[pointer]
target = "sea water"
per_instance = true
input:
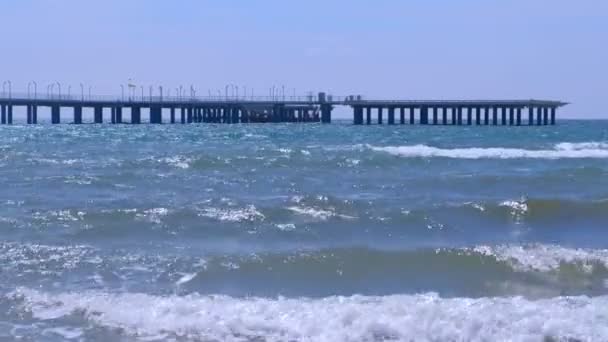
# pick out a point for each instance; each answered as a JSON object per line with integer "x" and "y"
{"x": 291, "y": 232}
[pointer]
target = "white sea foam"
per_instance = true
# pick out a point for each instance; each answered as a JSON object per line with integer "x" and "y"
{"x": 542, "y": 257}
{"x": 249, "y": 213}
{"x": 320, "y": 214}
{"x": 425, "y": 317}
{"x": 595, "y": 150}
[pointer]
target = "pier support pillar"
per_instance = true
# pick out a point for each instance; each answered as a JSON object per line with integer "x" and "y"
{"x": 552, "y": 115}
{"x": 172, "y": 115}
{"x": 183, "y": 115}
{"x": 424, "y": 115}
{"x": 435, "y": 115}
{"x": 358, "y": 115}
{"x": 34, "y": 114}
{"x": 511, "y": 116}
{"x": 518, "y": 116}
{"x": 189, "y": 115}
{"x": 530, "y": 116}
{"x": 368, "y": 115}
{"x": 113, "y": 115}
{"x": 454, "y": 115}
{"x": 391, "y": 116}
{"x": 486, "y": 116}
{"x": 503, "y": 116}
{"x": 3, "y": 115}
{"x": 119, "y": 114}
{"x": 98, "y": 115}
{"x": 402, "y": 116}
{"x": 156, "y": 115}
{"x": 469, "y": 116}
{"x": 235, "y": 115}
{"x": 135, "y": 115}
{"x": 78, "y": 114}
{"x": 55, "y": 115}
{"x": 478, "y": 116}
{"x": 444, "y": 114}
{"x": 494, "y": 116}
{"x": 9, "y": 116}
{"x": 412, "y": 116}
{"x": 29, "y": 114}
{"x": 326, "y": 113}
{"x": 379, "y": 115}
{"x": 539, "y": 116}
{"x": 545, "y": 116}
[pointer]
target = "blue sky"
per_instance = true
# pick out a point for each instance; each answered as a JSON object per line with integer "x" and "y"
{"x": 470, "y": 49}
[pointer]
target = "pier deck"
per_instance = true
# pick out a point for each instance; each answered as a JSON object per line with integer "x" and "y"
{"x": 291, "y": 109}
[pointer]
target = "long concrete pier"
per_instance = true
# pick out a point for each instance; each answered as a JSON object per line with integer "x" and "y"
{"x": 69, "y": 109}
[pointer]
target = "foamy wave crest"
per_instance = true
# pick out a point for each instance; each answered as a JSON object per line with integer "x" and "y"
{"x": 595, "y": 150}
{"x": 425, "y": 317}
{"x": 249, "y": 213}
{"x": 541, "y": 257}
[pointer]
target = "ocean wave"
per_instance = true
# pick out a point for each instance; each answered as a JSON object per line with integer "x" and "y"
{"x": 422, "y": 317}
{"x": 247, "y": 214}
{"x": 565, "y": 150}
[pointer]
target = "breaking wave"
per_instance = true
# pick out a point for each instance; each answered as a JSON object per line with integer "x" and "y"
{"x": 565, "y": 150}
{"x": 422, "y": 317}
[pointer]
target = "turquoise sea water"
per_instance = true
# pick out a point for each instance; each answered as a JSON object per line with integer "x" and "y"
{"x": 312, "y": 232}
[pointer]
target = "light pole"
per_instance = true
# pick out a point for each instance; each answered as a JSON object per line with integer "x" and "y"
{"x": 160, "y": 89}
{"x": 59, "y": 89}
{"x": 142, "y": 92}
{"x": 89, "y": 93}
{"x": 69, "y": 91}
{"x": 9, "y": 88}
{"x": 81, "y": 92}
{"x": 150, "y": 93}
{"x": 122, "y": 92}
{"x": 51, "y": 87}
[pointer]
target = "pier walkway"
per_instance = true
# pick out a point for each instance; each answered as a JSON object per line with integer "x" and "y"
{"x": 319, "y": 108}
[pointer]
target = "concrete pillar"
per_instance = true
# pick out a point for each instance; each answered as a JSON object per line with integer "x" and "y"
{"x": 379, "y": 115}
{"x": 402, "y": 116}
{"x": 156, "y": 116}
{"x": 34, "y": 114}
{"x": 119, "y": 114}
{"x": 469, "y": 116}
{"x": 3, "y": 117}
{"x": 98, "y": 115}
{"x": 518, "y": 116}
{"x": 245, "y": 116}
{"x": 539, "y": 116}
{"x": 55, "y": 115}
{"x": 136, "y": 115}
{"x": 78, "y": 114}
{"x": 391, "y": 116}
{"x": 459, "y": 115}
{"x": 530, "y": 115}
{"x": 183, "y": 115}
{"x": 358, "y": 115}
{"x": 486, "y": 116}
{"x": 368, "y": 115}
{"x": 189, "y": 115}
{"x": 511, "y": 116}
{"x": 478, "y": 116}
{"x": 494, "y": 116}
{"x": 326, "y": 113}
{"x": 29, "y": 114}
{"x": 454, "y": 115}
{"x": 9, "y": 116}
{"x": 435, "y": 115}
{"x": 172, "y": 115}
{"x": 412, "y": 116}
{"x": 503, "y": 116}
{"x": 444, "y": 112}
{"x": 552, "y": 115}
{"x": 235, "y": 115}
{"x": 424, "y": 115}
{"x": 545, "y": 116}
{"x": 113, "y": 115}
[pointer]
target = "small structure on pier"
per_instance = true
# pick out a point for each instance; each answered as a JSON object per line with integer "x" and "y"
{"x": 292, "y": 109}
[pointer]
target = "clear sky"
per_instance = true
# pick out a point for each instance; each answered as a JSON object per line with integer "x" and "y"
{"x": 431, "y": 49}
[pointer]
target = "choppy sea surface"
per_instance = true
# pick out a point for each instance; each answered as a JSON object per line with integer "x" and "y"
{"x": 289, "y": 232}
